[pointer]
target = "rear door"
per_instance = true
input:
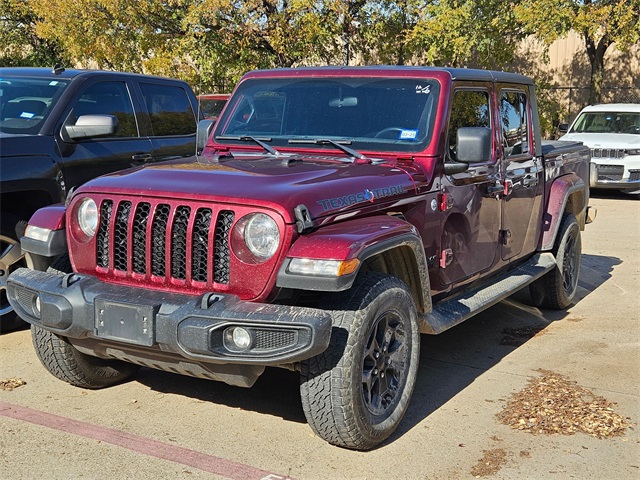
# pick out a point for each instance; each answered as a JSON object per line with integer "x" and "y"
{"x": 171, "y": 119}
{"x": 522, "y": 172}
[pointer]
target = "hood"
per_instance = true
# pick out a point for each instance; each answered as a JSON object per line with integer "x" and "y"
{"x": 325, "y": 185}
{"x": 605, "y": 140}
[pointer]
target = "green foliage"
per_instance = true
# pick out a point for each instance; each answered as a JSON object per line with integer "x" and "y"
{"x": 600, "y": 22}
{"x": 467, "y": 33}
{"x": 212, "y": 43}
{"x": 21, "y": 45}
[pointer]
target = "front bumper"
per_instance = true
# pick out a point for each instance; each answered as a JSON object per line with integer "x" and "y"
{"x": 617, "y": 174}
{"x": 140, "y": 325}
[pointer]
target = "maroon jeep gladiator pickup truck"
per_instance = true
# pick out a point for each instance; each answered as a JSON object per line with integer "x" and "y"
{"x": 334, "y": 215}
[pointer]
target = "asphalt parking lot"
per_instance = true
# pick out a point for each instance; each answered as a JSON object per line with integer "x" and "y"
{"x": 162, "y": 425}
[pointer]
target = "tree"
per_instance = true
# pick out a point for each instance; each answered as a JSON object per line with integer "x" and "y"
{"x": 21, "y": 46}
{"x": 601, "y": 23}
{"x": 460, "y": 33}
{"x": 391, "y": 23}
{"x": 206, "y": 42}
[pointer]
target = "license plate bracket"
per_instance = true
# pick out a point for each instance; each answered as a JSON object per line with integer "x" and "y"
{"x": 125, "y": 322}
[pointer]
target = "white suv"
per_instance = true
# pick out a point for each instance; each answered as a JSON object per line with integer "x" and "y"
{"x": 612, "y": 132}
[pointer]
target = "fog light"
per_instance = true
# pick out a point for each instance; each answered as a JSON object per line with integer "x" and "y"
{"x": 237, "y": 338}
{"x": 36, "y": 305}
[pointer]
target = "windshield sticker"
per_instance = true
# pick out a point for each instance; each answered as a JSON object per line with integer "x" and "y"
{"x": 366, "y": 196}
{"x": 27, "y": 115}
{"x": 426, "y": 89}
{"x": 53, "y": 83}
{"x": 408, "y": 134}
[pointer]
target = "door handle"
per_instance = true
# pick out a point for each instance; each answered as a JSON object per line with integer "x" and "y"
{"x": 141, "y": 157}
{"x": 497, "y": 188}
{"x": 530, "y": 181}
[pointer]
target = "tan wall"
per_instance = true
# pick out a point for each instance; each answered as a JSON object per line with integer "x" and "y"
{"x": 566, "y": 71}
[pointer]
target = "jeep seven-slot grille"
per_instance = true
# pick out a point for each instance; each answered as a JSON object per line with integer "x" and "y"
{"x": 182, "y": 226}
{"x": 607, "y": 153}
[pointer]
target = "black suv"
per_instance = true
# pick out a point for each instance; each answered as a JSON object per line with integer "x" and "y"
{"x": 60, "y": 128}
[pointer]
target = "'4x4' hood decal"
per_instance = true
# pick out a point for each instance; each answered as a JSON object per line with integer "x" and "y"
{"x": 323, "y": 185}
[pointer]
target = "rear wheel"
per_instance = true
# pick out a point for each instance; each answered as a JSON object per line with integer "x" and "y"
{"x": 557, "y": 288}
{"x": 66, "y": 362}
{"x": 355, "y": 394}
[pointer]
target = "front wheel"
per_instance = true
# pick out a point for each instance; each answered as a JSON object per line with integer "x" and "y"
{"x": 557, "y": 288}
{"x": 355, "y": 394}
{"x": 11, "y": 258}
{"x": 66, "y": 362}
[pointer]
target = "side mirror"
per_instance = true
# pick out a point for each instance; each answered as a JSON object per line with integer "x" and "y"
{"x": 88, "y": 126}
{"x": 204, "y": 131}
{"x": 451, "y": 168}
{"x": 563, "y": 128}
{"x": 473, "y": 144}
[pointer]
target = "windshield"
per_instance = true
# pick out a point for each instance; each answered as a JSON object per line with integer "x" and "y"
{"x": 367, "y": 114}
{"x": 607, "y": 122}
{"x": 26, "y": 102}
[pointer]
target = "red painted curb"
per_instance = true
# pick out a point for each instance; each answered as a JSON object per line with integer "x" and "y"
{"x": 145, "y": 446}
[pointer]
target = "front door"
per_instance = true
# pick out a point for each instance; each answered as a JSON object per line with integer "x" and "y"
{"x": 88, "y": 158}
{"x": 471, "y": 221}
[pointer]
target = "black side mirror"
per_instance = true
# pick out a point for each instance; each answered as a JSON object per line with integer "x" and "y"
{"x": 204, "y": 131}
{"x": 563, "y": 128}
{"x": 451, "y": 168}
{"x": 88, "y": 126}
{"x": 473, "y": 145}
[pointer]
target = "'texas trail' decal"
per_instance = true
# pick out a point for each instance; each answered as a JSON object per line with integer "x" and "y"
{"x": 366, "y": 196}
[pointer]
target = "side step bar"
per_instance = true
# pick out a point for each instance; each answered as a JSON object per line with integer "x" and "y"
{"x": 449, "y": 313}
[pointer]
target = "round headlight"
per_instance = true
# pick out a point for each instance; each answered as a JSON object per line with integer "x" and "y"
{"x": 88, "y": 217}
{"x": 260, "y": 236}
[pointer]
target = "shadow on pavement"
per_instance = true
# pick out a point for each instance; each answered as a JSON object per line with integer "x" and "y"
{"x": 449, "y": 362}
{"x": 452, "y": 360}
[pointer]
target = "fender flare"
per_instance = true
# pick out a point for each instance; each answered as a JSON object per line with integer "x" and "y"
{"x": 360, "y": 239}
{"x": 561, "y": 189}
{"x": 50, "y": 218}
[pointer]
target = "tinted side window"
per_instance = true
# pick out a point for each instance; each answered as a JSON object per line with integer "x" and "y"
{"x": 169, "y": 109}
{"x": 515, "y": 131}
{"x": 470, "y": 108}
{"x": 109, "y": 98}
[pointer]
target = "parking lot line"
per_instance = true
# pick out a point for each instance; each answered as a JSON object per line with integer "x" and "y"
{"x": 145, "y": 446}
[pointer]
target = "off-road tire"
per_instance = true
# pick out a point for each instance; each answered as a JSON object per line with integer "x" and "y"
{"x": 66, "y": 362}
{"x": 340, "y": 388}
{"x": 9, "y": 261}
{"x": 557, "y": 288}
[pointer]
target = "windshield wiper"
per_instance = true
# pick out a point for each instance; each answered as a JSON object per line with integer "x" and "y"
{"x": 259, "y": 140}
{"x": 339, "y": 144}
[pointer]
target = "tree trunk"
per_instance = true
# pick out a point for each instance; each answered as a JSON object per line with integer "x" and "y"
{"x": 596, "y": 59}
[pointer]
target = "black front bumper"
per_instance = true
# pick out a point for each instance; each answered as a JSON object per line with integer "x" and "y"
{"x": 103, "y": 318}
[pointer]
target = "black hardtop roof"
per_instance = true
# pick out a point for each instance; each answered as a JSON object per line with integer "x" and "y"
{"x": 470, "y": 74}
{"x": 69, "y": 73}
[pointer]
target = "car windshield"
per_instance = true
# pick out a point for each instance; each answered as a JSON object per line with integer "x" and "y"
{"x": 607, "y": 122}
{"x": 26, "y": 102}
{"x": 371, "y": 114}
